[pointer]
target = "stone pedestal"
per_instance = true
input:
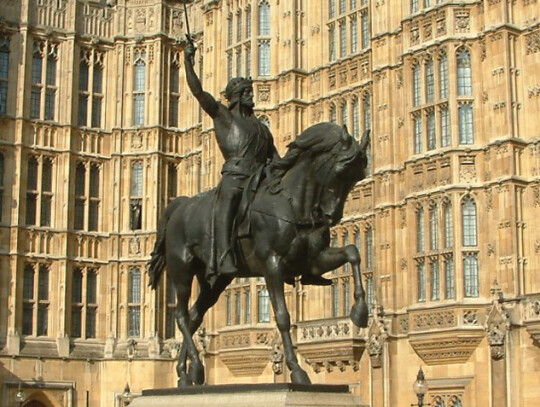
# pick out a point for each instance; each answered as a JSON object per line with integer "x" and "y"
{"x": 250, "y": 395}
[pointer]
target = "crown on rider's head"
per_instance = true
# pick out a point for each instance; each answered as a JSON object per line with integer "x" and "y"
{"x": 236, "y": 86}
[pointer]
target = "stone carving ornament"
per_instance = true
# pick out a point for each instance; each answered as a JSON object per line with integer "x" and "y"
{"x": 497, "y": 326}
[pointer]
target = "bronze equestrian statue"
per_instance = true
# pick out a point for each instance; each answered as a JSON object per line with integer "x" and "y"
{"x": 282, "y": 230}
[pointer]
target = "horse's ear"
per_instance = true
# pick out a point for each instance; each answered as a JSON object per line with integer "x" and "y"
{"x": 365, "y": 140}
{"x": 346, "y": 137}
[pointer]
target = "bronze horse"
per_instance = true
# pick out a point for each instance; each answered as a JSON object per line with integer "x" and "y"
{"x": 288, "y": 234}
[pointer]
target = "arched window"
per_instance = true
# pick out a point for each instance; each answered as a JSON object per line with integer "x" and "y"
{"x": 4, "y": 73}
{"x": 418, "y": 142}
{"x": 449, "y": 278}
{"x": 139, "y": 88}
{"x": 46, "y": 192}
{"x": 239, "y": 26}
{"x": 420, "y": 235}
{"x": 416, "y": 84}
{"x": 331, "y": 8}
{"x": 445, "y": 126}
{"x": 134, "y": 302}
{"x": 333, "y": 113}
{"x": 369, "y": 248}
{"x": 367, "y": 111}
{"x": 448, "y": 226}
{"x": 84, "y": 70}
{"x": 228, "y": 298}
{"x": 264, "y": 305}
{"x": 342, "y": 38}
{"x": 466, "y": 125}
{"x": 136, "y": 179}
{"x": 136, "y": 195}
{"x": 344, "y": 114}
{"x": 421, "y": 276}
{"x": 355, "y": 119}
{"x": 443, "y": 76}
{"x": 470, "y": 274}
{"x": 335, "y": 298}
{"x": 431, "y": 134}
{"x": 264, "y": 19}
{"x": 80, "y": 199}
{"x": 455, "y": 401}
{"x": 469, "y": 222}
{"x": 332, "y": 42}
{"x": 229, "y": 29}
{"x": 438, "y": 402}
{"x": 247, "y": 307}
{"x": 435, "y": 280}
{"x": 354, "y": 34}
{"x": 264, "y": 58}
{"x": 430, "y": 81}
{"x": 464, "y": 74}
{"x": 37, "y": 81}
{"x": 248, "y": 22}
{"x": 364, "y": 21}
{"x": 174, "y": 95}
{"x": 433, "y": 228}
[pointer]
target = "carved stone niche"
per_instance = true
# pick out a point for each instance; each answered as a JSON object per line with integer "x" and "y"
{"x": 532, "y": 318}
{"x": 377, "y": 335}
{"x": 331, "y": 344}
{"x": 497, "y": 326}
{"x": 246, "y": 352}
{"x": 455, "y": 346}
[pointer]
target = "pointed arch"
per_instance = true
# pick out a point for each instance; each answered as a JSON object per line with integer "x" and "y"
{"x": 464, "y": 71}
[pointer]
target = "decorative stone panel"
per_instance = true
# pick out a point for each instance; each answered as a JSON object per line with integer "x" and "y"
{"x": 246, "y": 352}
{"x": 456, "y": 346}
{"x": 330, "y": 344}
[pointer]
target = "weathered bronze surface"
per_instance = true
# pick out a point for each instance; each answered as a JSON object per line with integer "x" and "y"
{"x": 268, "y": 217}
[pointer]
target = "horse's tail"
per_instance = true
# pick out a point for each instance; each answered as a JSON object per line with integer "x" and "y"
{"x": 157, "y": 260}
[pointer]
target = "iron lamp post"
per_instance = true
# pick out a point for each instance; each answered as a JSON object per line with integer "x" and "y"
{"x": 420, "y": 387}
{"x": 127, "y": 397}
{"x": 19, "y": 396}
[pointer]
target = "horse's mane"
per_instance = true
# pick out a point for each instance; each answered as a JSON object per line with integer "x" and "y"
{"x": 317, "y": 139}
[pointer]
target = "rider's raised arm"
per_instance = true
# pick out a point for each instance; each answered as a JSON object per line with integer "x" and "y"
{"x": 206, "y": 100}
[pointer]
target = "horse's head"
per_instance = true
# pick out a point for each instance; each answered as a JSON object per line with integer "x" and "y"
{"x": 320, "y": 168}
{"x": 346, "y": 165}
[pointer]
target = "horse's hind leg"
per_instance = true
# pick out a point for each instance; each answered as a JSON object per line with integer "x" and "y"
{"x": 181, "y": 273}
{"x": 208, "y": 296}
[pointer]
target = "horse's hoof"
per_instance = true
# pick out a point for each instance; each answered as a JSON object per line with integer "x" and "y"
{"x": 359, "y": 314}
{"x": 184, "y": 382}
{"x": 300, "y": 377}
{"x": 196, "y": 374}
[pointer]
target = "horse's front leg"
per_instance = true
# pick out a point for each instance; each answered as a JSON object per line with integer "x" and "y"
{"x": 274, "y": 282}
{"x": 334, "y": 257}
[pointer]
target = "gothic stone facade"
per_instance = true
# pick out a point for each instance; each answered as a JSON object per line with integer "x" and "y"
{"x": 98, "y": 132}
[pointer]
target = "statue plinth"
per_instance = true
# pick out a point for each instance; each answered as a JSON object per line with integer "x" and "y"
{"x": 250, "y": 395}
